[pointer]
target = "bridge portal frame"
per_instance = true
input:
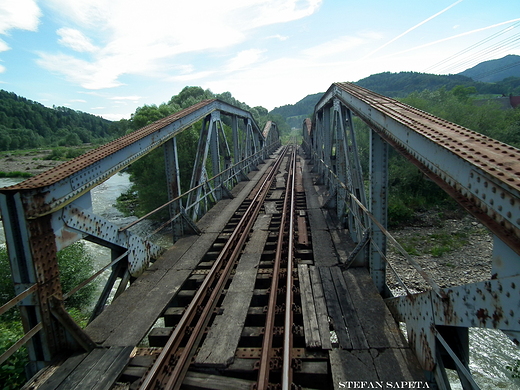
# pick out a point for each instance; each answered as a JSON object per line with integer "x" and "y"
{"x": 49, "y": 212}
{"x": 485, "y": 184}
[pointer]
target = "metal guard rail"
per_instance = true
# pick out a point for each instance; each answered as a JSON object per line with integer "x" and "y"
{"x": 236, "y": 170}
{"x": 435, "y": 287}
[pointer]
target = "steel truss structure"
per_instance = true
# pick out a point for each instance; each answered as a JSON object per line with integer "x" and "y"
{"x": 482, "y": 174}
{"x": 49, "y": 212}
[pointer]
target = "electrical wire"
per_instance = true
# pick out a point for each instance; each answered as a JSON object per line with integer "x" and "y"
{"x": 459, "y": 59}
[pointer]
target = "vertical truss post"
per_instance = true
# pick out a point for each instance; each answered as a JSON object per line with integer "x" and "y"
{"x": 251, "y": 146}
{"x": 378, "y": 208}
{"x": 236, "y": 144}
{"x": 215, "y": 151}
{"x": 342, "y": 163}
{"x": 327, "y": 147}
{"x": 317, "y": 144}
{"x": 199, "y": 170}
{"x": 356, "y": 180}
{"x": 173, "y": 183}
{"x": 32, "y": 255}
{"x": 505, "y": 263}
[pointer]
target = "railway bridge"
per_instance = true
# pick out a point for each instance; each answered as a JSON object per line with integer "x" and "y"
{"x": 277, "y": 276}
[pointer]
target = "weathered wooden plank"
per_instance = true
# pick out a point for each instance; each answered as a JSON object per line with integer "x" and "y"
{"x": 321, "y": 308}
{"x": 158, "y": 336}
{"x": 310, "y": 322}
{"x": 350, "y": 316}
{"x": 201, "y": 381}
{"x": 218, "y": 349}
{"x": 132, "y": 374}
{"x": 128, "y": 319}
{"x": 379, "y": 327}
{"x": 355, "y": 365}
{"x": 252, "y": 331}
{"x": 81, "y": 370}
{"x": 62, "y": 372}
{"x": 334, "y": 308}
{"x": 105, "y": 372}
{"x": 303, "y": 235}
{"x": 396, "y": 365}
{"x": 324, "y": 253}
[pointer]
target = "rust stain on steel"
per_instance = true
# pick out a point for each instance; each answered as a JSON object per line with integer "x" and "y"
{"x": 72, "y": 166}
{"x": 446, "y": 306}
{"x": 308, "y": 125}
{"x": 500, "y": 160}
{"x": 483, "y": 316}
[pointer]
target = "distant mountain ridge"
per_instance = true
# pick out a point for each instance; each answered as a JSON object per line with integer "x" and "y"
{"x": 401, "y": 84}
{"x": 495, "y": 70}
{"x": 294, "y": 114}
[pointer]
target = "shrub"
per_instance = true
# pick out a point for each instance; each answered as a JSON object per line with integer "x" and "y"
{"x": 75, "y": 266}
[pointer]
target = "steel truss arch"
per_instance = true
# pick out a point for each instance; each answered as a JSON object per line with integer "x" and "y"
{"x": 481, "y": 174}
{"x": 48, "y": 212}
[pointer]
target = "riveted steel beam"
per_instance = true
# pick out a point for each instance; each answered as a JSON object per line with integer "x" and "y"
{"x": 481, "y": 174}
{"x": 54, "y": 209}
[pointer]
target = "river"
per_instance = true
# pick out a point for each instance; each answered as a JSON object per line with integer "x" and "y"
{"x": 490, "y": 350}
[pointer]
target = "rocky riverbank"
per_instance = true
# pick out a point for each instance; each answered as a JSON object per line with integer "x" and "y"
{"x": 33, "y": 162}
{"x": 453, "y": 249}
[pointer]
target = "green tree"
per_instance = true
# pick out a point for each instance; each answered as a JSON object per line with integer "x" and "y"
{"x": 462, "y": 92}
{"x": 148, "y": 190}
{"x": 75, "y": 265}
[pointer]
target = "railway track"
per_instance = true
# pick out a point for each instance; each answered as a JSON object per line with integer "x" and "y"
{"x": 206, "y": 343}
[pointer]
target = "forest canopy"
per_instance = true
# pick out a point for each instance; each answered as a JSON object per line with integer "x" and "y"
{"x": 25, "y": 124}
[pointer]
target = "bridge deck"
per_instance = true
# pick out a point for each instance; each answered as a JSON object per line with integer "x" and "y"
{"x": 366, "y": 344}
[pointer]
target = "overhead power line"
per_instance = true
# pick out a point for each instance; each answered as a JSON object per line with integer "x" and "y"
{"x": 460, "y": 58}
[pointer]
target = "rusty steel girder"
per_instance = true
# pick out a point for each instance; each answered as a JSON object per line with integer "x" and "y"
{"x": 481, "y": 174}
{"x": 50, "y": 211}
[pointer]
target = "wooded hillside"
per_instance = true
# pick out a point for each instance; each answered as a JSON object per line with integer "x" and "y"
{"x": 27, "y": 124}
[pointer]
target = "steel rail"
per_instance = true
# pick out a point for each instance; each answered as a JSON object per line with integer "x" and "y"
{"x": 267, "y": 342}
{"x": 160, "y": 376}
{"x": 287, "y": 368}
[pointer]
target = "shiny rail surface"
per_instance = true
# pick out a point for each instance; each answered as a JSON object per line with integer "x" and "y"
{"x": 284, "y": 257}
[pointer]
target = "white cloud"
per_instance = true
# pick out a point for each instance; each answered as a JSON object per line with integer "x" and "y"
{"x": 191, "y": 76}
{"x": 75, "y": 40}
{"x": 414, "y": 27}
{"x": 335, "y": 46}
{"x": 142, "y": 37}
{"x": 279, "y": 37}
{"x": 244, "y": 59}
{"x": 3, "y": 46}
{"x": 89, "y": 75}
{"x": 115, "y": 117}
{"x": 19, "y": 14}
{"x": 131, "y": 98}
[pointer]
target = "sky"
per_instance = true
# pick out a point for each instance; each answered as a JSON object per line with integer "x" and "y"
{"x": 108, "y": 57}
